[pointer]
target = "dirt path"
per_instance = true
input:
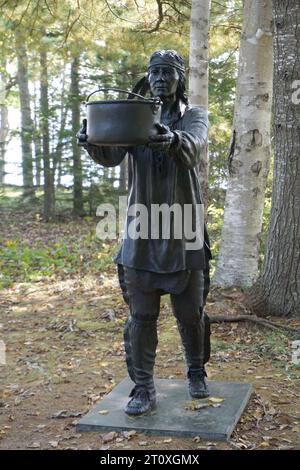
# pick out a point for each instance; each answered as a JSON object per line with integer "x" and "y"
{"x": 63, "y": 333}
{"x": 65, "y": 352}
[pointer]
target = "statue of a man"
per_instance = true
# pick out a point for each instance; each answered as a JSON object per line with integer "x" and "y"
{"x": 163, "y": 172}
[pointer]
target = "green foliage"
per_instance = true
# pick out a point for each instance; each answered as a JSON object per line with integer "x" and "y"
{"x": 114, "y": 41}
{"x": 215, "y": 222}
{"x": 23, "y": 263}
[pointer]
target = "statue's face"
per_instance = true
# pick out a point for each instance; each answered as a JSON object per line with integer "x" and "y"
{"x": 163, "y": 80}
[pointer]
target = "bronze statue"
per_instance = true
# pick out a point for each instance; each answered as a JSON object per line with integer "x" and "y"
{"x": 164, "y": 171}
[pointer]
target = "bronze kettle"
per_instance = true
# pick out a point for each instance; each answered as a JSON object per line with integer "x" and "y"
{"x": 125, "y": 122}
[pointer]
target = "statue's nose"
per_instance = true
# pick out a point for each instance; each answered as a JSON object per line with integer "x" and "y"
{"x": 161, "y": 76}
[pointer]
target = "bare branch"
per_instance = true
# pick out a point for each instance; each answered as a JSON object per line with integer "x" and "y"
{"x": 159, "y": 20}
{"x": 11, "y": 83}
{"x": 251, "y": 318}
{"x": 69, "y": 29}
{"x": 4, "y": 3}
{"x": 49, "y": 9}
{"x": 227, "y": 26}
{"x": 174, "y": 7}
{"x": 117, "y": 16}
{"x": 24, "y": 12}
{"x": 35, "y": 19}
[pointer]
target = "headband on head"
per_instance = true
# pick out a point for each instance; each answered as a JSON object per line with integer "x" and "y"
{"x": 169, "y": 57}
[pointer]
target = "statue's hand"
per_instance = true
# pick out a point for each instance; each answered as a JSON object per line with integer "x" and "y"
{"x": 163, "y": 140}
{"x": 82, "y": 135}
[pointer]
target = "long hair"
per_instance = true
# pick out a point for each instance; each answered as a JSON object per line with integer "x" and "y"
{"x": 181, "y": 89}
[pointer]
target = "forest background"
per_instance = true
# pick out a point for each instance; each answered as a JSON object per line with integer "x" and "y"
{"x": 61, "y": 311}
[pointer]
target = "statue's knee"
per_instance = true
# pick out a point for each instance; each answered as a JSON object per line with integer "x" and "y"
{"x": 189, "y": 316}
{"x": 143, "y": 319}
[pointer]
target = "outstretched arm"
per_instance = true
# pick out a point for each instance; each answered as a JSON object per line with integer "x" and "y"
{"x": 191, "y": 139}
{"x": 106, "y": 156}
{"x": 184, "y": 146}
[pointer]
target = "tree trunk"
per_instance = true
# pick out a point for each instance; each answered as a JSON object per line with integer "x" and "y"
{"x": 3, "y": 123}
{"x": 250, "y": 150}
{"x": 27, "y": 128}
{"x": 277, "y": 291}
{"x": 198, "y": 74}
{"x": 59, "y": 173}
{"x": 49, "y": 193}
{"x": 58, "y": 152}
{"x": 77, "y": 167}
{"x": 37, "y": 139}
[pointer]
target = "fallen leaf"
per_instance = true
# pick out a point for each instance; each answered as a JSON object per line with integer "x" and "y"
{"x": 128, "y": 434}
{"x": 283, "y": 426}
{"x": 200, "y": 406}
{"x": 65, "y": 414}
{"x": 257, "y": 414}
{"x": 109, "y": 436}
{"x": 216, "y": 400}
{"x": 195, "y": 405}
{"x": 110, "y": 314}
{"x": 53, "y": 444}
{"x": 34, "y": 445}
{"x": 40, "y": 427}
{"x": 264, "y": 444}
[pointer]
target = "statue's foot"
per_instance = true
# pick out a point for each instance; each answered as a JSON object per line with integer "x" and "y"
{"x": 197, "y": 384}
{"x": 143, "y": 400}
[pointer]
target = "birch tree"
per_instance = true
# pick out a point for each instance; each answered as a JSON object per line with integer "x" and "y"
{"x": 3, "y": 120}
{"x": 77, "y": 165}
{"x": 49, "y": 190}
{"x": 26, "y": 119}
{"x": 250, "y": 150}
{"x": 277, "y": 291}
{"x": 198, "y": 73}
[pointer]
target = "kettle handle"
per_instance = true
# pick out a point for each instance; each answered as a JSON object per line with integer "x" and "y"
{"x": 121, "y": 91}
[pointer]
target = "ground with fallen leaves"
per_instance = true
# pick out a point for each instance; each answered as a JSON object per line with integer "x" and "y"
{"x": 63, "y": 333}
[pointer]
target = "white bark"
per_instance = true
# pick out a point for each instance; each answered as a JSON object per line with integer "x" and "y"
{"x": 3, "y": 123}
{"x": 26, "y": 120}
{"x": 198, "y": 72}
{"x": 277, "y": 291}
{"x": 238, "y": 258}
